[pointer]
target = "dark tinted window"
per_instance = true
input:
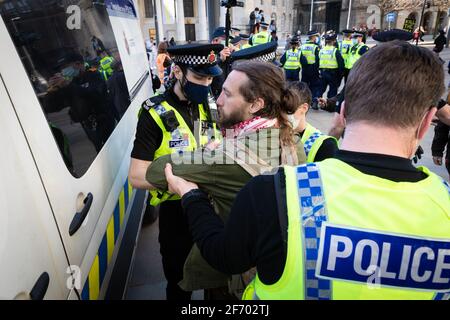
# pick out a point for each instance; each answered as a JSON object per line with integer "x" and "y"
{"x": 188, "y": 6}
{"x": 149, "y": 8}
{"x": 70, "y": 54}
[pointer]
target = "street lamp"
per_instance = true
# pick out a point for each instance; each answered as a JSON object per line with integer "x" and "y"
{"x": 311, "y": 17}
{"x": 349, "y": 10}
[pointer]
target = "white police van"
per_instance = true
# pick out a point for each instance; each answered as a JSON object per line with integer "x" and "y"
{"x": 69, "y": 219}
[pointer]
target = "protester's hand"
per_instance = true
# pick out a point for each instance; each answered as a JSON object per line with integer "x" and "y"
{"x": 437, "y": 161}
{"x": 57, "y": 81}
{"x": 225, "y": 53}
{"x": 322, "y": 102}
{"x": 176, "y": 184}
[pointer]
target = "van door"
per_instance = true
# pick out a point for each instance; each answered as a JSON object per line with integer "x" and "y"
{"x": 31, "y": 251}
{"x": 64, "y": 68}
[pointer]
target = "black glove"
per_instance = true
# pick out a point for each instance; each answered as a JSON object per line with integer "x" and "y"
{"x": 418, "y": 155}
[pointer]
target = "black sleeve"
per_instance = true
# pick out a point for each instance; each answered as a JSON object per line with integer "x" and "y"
{"x": 340, "y": 60}
{"x": 148, "y": 137}
{"x": 327, "y": 150}
{"x": 283, "y": 59}
{"x": 440, "y": 139}
{"x": 251, "y": 237}
{"x": 317, "y": 57}
{"x": 303, "y": 61}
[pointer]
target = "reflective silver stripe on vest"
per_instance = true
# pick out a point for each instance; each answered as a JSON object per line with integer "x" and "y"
{"x": 310, "y": 142}
{"x": 313, "y": 213}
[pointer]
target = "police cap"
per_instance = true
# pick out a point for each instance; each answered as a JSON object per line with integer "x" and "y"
{"x": 294, "y": 40}
{"x": 357, "y": 34}
{"x": 219, "y": 32}
{"x": 262, "y": 52}
{"x": 330, "y": 37}
{"x": 264, "y": 25}
{"x": 200, "y": 58}
{"x": 347, "y": 31}
{"x": 235, "y": 40}
{"x": 312, "y": 33}
{"x": 244, "y": 36}
{"x": 394, "y": 34}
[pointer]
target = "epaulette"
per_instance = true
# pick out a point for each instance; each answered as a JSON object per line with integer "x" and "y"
{"x": 152, "y": 102}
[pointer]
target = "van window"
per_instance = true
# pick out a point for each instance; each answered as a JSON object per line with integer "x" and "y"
{"x": 71, "y": 57}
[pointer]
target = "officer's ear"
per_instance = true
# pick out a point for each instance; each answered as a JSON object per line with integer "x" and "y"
{"x": 257, "y": 105}
{"x": 425, "y": 123}
{"x": 177, "y": 72}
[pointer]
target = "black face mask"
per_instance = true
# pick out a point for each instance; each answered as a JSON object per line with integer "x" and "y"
{"x": 196, "y": 93}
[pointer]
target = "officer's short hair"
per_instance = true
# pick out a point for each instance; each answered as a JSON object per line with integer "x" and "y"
{"x": 393, "y": 85}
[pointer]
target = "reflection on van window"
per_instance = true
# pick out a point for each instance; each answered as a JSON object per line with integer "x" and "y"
{"x": 71, "y": 57}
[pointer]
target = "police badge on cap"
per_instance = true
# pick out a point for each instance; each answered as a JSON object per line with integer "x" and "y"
{"x": 200, "y": 58}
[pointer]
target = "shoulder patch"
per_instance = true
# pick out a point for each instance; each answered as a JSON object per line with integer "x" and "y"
{"x": 152, "y": 102}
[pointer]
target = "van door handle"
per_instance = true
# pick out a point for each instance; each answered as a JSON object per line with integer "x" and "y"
{"x": 40, "y": 288}
{"x": 80, "y": 216}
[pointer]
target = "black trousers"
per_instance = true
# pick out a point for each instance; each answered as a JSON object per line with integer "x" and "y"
{"x": 175, "y": 244}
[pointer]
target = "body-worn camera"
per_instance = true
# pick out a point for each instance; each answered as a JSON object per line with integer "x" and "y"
{"x": 231, "y": 3}
{"x": 169, "y": 120}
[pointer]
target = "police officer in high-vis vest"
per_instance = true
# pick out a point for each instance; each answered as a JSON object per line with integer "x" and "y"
{"x": 331, "y": 66}
{"x": 105, "y": 65}
{"x": 177, "y": 121}
{"x": 291, "y": 61}
{"x": 244, "y": 40}
{"x": 366, "y": 224}
{"x": 358, "y": 49}
{"x": 317, "y": 146}
{"x": 345, "y": 45}
{"x": 310, "y": 71}
{"x": 263, "y": 36}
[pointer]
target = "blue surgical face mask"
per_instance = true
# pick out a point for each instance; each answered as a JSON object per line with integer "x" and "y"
{"x": 196, "y": 93}
{"x": 354, "y": 41}
{"x": 70, "y": 72}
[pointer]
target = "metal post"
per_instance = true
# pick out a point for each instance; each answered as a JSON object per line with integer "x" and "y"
{"x": 420, "y": 20}
{"x": 311, "y": 17}
{"x": 348, "y": 16}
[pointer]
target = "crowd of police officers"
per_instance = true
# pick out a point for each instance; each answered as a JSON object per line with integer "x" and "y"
{"x": 167, "y": 124}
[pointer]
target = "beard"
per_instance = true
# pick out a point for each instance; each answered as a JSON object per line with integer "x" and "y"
{"x": 228, "y": 121}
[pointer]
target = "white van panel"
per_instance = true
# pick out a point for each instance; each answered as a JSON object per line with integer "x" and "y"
{"x": 61, "y": 187}
{"x": 29, "y": 240}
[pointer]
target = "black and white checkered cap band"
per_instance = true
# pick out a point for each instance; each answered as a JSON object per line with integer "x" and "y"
{"x": 265, "y": 57}
{"x": 193, "y": 60}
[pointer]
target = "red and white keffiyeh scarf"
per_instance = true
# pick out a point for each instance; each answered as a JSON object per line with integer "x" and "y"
{"x": 248, "y": 126}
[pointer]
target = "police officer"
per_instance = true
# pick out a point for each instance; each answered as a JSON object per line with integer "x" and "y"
{"x": 331, "y": 65}
{"x": 317, "y": 145}
{"x": 345, "y": 46}
{"x": 245, "y": 38}
{"x": 263, "y": 36}
{"x": 358, "y": 49}
{"x": 106, "y": 62}
{"x": 367, "y": 219}
{"x": 291, "y": 61}
{"x": 310, "y": 71}
{"x": 176, "y": 121}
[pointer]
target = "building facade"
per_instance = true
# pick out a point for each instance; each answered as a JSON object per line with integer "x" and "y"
{"x": 370, "y": 14}
{"x": 195, "y": 20}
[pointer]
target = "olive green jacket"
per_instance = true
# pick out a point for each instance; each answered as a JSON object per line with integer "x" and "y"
{"x": 222, "y": 178}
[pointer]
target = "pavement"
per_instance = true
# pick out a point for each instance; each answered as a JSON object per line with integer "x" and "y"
{"x": 147, "y": 280}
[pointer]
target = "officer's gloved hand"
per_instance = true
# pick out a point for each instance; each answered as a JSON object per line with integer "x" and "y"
{"x": 418, "y": 155}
